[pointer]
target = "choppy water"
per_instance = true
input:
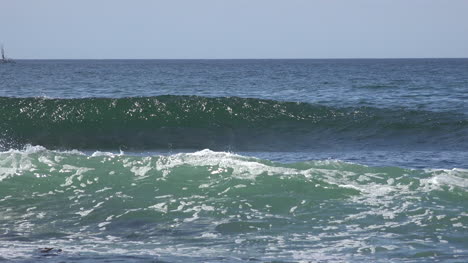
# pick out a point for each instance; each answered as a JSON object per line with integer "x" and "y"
{"x": 234, "y": 160}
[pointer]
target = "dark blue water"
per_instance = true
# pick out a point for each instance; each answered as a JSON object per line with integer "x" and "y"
{"x": 430, "y": 94}
{"x": 234, "y": 160}
{"x": 422, "y": 84}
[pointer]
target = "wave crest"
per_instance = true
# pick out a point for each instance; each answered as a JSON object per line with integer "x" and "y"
{"x": 229, "y": 123}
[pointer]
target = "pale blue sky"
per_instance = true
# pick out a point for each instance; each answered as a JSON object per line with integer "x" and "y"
{"x": 104, "y": 29}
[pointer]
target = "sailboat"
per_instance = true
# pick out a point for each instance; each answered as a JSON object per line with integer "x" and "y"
{"x": 5, "y": 59}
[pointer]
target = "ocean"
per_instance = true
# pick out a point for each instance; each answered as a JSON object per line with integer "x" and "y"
{"x": 234, "y": 160}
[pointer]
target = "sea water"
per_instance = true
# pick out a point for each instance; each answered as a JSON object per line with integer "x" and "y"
{"x": 234, "y": 160}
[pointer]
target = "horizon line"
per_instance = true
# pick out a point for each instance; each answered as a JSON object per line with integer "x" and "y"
{"x": 343, "y": 58}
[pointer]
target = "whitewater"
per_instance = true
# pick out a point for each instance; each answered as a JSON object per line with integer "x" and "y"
{"x": 221, "y": 206}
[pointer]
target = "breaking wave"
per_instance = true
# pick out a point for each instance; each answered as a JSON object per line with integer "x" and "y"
{"x": 226, "y": 123}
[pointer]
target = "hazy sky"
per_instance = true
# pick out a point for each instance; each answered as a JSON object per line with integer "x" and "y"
{"x": 234, "y": 29}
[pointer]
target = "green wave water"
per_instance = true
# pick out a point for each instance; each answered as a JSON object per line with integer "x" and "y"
{"x": 225, "y": 123}
{"x": 211, "y": 206}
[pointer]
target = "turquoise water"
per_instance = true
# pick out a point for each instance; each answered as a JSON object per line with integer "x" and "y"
{"x": 217, "y": 206}
{"x": 234, "y": 161}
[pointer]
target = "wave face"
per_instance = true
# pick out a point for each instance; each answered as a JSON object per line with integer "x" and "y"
{"x": 207, "y": 204}
{"x": 226, "y": 123}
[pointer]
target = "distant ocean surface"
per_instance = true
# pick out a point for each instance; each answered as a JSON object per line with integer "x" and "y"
{"x": 234, "y": 160}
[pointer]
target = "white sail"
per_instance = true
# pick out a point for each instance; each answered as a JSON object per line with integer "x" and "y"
{"x": 4, "y": 58}
{"x": 3, "y": 54}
